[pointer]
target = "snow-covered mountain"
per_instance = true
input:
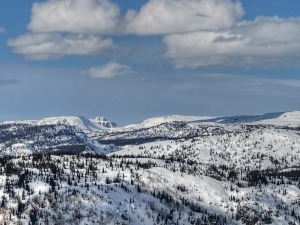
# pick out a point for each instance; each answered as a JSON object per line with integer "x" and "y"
{"x": 167, "y": 119}
{"x": 80, "y": 122}
{"x": 166, "y": 170}
{"x": 99, "y": 134}
{"x": 104, "y": 123}
{"x": 66, "y": 134}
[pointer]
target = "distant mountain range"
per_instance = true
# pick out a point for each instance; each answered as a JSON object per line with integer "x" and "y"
{"x": 78, "y": 134}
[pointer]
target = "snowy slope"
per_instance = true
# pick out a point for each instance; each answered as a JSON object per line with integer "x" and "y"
{"x": 80, "y": 122}
{"x": 167, "y": 119}
{"x": 241, "y": 134}
{"x": 291, "y": 119}
{"x": 66, "y": 134}
{"x": 103, "y": 122}
{"x": 90, "y": 190}
{"x": 168, "y": 170}
{"x": 261, "y": 118}
{"x": 279, "y": 118}
{"x": 69, "y": 121}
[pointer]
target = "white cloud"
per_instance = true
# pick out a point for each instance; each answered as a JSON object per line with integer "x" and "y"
{"x": 158, "y": 17}
{"x": 44, "y": 46}
{"x": 197, "y": 33}
{"x": 263, "y": 42}
{"x": 59, "y": 28}
{"x": 74, "y": 16}
{"x": 271, "y": 29}
{"x": 108, "y": 71}
{"x": 2, "y": 30}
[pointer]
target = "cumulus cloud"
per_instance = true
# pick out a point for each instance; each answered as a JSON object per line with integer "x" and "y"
{"x": 156, "y": 17}
{"x": 196, "y": 33}
{"x": 271, "y": 29}
{"x": 264, "y": 41}
{"x": 108, "y": 71}
{"x": 74, "y": 16}
{"x": 178, "y": 16}
{"x": 59, "y": 28}
{"x": 42, "y": 46}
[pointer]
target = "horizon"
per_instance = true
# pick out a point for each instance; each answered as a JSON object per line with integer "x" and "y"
{"x": 106, "y": 57}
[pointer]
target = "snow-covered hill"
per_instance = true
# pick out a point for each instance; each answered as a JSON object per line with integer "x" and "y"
{"x": 167, "y": 119}
{"x": 103, "y": 122}
{"x": 64, "y": 134}
{"x": 89, "y": 189}
{"x": 279, "y": 118}
{"x": 261, "y": 118}
{"x": 291, "y": 119}
{"x": 80, "y": 122}
{"x": 166, "y": 170}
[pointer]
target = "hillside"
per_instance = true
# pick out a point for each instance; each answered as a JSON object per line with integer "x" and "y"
{"x": 167, "y": 170}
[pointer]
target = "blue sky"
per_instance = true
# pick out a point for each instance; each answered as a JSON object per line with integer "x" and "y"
{"x": 131, "y": 60}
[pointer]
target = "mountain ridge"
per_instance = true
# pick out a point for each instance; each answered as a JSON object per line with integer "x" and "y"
{"x": 100, "y": 122}
{"x": 102, "y": 136}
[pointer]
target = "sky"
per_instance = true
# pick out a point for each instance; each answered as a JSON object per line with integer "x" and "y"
{"x": 129, "y": 60}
